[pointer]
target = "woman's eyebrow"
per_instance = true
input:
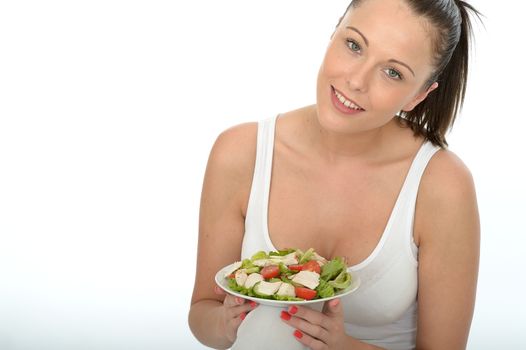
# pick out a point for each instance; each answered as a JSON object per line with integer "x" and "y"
{"x": 403, "y": 64}
{"x": 367, "y": 44}
{"x": 363, "y": 36}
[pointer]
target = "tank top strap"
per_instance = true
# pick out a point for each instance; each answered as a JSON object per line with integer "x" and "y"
{"x": 412, "y": 181}
{"x": 257, "y": 211}
{"x": 404, "y": 211}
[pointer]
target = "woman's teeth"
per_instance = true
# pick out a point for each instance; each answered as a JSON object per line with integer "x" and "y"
{"x": 346, "y": 102}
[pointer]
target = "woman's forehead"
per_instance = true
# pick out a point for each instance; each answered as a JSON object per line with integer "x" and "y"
{"x": 390, "y": 26}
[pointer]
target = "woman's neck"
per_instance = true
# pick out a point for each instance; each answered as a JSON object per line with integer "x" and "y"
{"x": 333, "y": 147}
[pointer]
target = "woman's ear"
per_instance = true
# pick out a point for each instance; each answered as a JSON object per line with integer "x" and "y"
{"x": 419, "y": 98}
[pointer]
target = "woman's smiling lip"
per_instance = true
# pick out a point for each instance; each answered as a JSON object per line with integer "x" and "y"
{"x": 340, "y": 106}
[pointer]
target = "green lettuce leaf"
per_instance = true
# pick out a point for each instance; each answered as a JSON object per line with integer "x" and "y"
{"x": 342, "y": 281}
{"x": 282, "y": 252}
{"x": 324, "y": 289}
{"x": 332, "y": 269}
{"x": 307, "y": 256}
{"x": 237, "y": 288}
{"x": 259, "y": 255}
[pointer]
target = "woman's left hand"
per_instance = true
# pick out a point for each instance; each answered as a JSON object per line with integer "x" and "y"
{"x": 318, "y": 330}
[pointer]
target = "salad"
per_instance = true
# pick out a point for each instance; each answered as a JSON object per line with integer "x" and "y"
{"x": 288, "y": 275}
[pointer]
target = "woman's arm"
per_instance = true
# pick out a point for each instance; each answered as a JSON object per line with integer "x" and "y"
{"x": 225, "y": 193}
{"x": 448, "y": 234}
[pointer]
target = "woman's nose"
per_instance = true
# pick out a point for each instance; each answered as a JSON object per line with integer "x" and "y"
{"x": 358, "y": 77}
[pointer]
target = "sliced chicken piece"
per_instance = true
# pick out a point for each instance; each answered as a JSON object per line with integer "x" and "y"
{"x": 290, "y": 259}
{"x": 263, "y": 262}
{"x": 241, "y": 276}
{"x": 252, "y": 279}
{"x": 286, "y": 289}
{"x": 233, "y": 268}
{"x": 308, "y": 279}
{"x": 320, "y": 259}
{"x": 267, "y": 288}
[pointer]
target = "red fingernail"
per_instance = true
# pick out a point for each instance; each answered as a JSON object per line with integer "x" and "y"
{"x": 253, "y": 304}
{"x": 239, "y": 300}
{"x": 242, "y": 316}
{"x": 293, "y": 309}
{"x": 298, "y": 334}
{"x": 285, "y": 315}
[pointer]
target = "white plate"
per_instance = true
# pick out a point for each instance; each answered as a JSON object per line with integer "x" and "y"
{"x": 223, "y": 283}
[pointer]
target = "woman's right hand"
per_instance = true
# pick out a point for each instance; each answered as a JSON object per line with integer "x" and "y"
{"x": 235, "y": 310}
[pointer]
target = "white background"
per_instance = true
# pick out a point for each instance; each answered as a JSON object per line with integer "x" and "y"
{"x": 108, "y": 110}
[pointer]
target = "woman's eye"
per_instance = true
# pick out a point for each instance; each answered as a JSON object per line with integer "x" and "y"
{"x": 392, "y": 73}
{"x": 353, "y": 45}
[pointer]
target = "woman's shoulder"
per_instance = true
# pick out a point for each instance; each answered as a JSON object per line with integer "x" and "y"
{"x": 446, "y": 175}
{"x": 234, "y": 149}
{"x": 446, "y": 196}
{"x": 237, "y": 137}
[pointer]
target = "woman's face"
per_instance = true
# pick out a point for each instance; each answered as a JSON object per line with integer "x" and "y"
{"x": 379, "y": 58}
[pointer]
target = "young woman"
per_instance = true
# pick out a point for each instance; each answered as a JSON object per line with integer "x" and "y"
{"x": 365, "y": 174}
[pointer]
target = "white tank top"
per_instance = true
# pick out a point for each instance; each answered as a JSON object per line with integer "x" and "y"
{"x": 383, "y": 311}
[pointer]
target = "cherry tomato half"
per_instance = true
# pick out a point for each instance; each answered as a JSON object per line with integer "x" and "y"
{"x": 270, "y": 271}
{"x": 305, "y": 293}
{"x": 312, "y": 266}
{"x": 297, "y": 267}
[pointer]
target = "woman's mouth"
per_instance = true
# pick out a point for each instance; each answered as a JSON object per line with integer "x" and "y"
{"x": 343, "y": 104}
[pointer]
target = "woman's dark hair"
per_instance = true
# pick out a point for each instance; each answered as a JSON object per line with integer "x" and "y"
{"x": 434, "y": 116}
